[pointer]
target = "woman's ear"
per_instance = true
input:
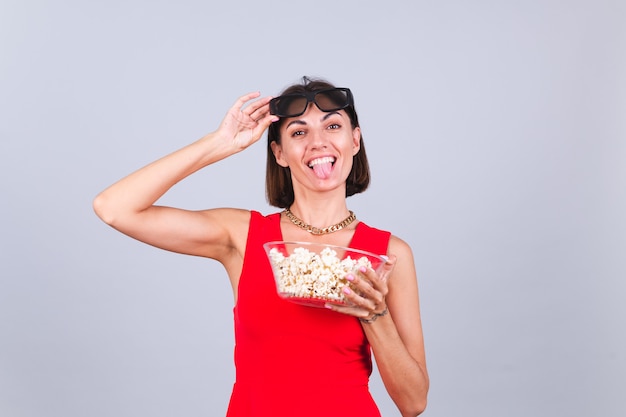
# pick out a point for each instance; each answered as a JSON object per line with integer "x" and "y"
{"x": 356, "y": 140}
{"x": 277, "y": 150}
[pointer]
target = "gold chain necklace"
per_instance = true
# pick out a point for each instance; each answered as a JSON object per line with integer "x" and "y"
{"x": 316, "y": 230}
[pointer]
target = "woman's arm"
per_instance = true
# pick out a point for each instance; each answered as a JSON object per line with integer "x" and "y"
{"x": 128, "y": 205}
{"x": 396, "y": 338}
{"x": 395, "y": 334}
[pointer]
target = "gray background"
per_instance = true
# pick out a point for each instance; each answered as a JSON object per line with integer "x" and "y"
{"x": 497, "y": 137}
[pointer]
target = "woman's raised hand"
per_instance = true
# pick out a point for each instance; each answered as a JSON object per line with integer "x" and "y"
{"x": 246, "y": 121}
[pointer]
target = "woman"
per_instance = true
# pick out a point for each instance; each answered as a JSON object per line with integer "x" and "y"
{"x": 292, "y": 359}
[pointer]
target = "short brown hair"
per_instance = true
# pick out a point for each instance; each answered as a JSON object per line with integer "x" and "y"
{"x": 278, "y": 186}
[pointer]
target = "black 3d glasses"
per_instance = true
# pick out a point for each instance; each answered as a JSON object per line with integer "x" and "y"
{"x": 292, "y": 105}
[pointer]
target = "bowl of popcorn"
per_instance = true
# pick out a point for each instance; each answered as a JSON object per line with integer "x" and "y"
{"x": 315, "y": 274}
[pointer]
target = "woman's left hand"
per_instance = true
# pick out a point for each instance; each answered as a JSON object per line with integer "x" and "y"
{"x": 366, "y": 294}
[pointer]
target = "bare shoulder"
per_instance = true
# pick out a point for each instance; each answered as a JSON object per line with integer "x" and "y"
{"x": 403, "y": 277}
{"x": 228, "y": 216}
{"x": 399, "y": 247}
{"x": 228, "y": 226}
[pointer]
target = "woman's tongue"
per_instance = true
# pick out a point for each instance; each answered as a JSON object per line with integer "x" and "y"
{"x": 322, "y": 170}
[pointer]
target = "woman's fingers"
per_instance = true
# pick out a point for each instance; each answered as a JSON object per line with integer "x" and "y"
{"x": 388, "y": 267}
{"x": 255, "y": 110}
{"x": 241, "y": 101}
{"x": 367, "y": 291}
{"x": 259, "y": 108}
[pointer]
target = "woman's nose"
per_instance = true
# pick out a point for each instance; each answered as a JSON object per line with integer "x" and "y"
{"x": 318, "y": 139}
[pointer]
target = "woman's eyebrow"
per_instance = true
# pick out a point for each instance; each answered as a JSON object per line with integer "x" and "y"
{"x": 302, "y": 122}
{"x": 327, "y": 115}
{"x": 296, "y": 122}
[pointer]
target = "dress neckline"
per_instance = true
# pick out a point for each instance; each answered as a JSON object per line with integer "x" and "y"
{"x": 280, "y": 230}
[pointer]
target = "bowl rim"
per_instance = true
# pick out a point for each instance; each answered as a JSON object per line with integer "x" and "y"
{"x": 383, "y": 258}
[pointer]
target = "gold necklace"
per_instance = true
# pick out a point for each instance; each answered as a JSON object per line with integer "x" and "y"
{"x": 316, "y": 230}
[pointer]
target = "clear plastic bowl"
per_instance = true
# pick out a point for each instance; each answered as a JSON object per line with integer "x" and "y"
{"x": 314, "y": 274}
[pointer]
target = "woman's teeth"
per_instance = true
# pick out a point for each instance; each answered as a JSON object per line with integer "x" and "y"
{"x": 324, "y": 160}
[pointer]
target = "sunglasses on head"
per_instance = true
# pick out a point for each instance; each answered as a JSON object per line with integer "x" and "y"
{"x": 292, "y": 105}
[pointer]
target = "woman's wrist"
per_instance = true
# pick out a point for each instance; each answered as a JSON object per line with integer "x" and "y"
{"x": 371, "y": 319}
{"x": 214, "y": 148}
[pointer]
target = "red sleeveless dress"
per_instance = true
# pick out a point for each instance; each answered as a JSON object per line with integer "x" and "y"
{"x": 294, "y": 360}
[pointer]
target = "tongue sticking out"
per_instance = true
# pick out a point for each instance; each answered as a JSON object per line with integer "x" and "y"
{"x": 322, "y": 170}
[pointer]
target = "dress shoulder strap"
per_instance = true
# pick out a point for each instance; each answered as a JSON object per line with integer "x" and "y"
{"x": 370, "y": 239}
{"x": 263, "y": 228}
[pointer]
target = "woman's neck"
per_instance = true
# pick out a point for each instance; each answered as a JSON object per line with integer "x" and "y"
{"x": 321, "y": 213}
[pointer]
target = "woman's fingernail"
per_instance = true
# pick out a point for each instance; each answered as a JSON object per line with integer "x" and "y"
{"x": 362, "y": 269}
{"x": 350, "y": 277}
{"x": 346, "y": 290}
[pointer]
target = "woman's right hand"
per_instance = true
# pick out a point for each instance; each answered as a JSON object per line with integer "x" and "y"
{"x": 244, "y": 124}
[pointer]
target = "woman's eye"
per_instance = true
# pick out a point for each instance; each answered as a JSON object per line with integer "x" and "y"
{"x": 297, "y": 133}
{"x": 334, "y": 126}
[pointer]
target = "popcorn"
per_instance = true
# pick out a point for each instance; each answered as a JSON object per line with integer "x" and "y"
{"x": 306, "y": 274}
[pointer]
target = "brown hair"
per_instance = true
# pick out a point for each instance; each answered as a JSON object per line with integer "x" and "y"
{"x": 278, "y": 186}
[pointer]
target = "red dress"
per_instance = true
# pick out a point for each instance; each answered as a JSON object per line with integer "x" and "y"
{"x": 294, "y": 360}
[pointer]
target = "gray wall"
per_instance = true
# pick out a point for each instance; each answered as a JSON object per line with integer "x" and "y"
{"x": 497, "y": 136}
